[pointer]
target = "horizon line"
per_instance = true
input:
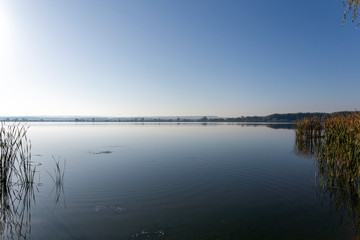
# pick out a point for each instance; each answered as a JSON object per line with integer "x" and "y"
{"x": 163, "y": 116}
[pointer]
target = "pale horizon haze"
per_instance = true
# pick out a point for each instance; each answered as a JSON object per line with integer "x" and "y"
{"x": 177, "y": 58}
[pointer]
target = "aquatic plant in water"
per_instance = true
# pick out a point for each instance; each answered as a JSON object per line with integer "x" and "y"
{"x": 16, "y": 182}
{"x": 337, "y": 155}
{"x": 58, "y": 179}
{"x": 17, "y": 173}
{"x": 310, "y": 127}
{"x": 342, "y": 142}
{"x": 340, "y": 138}
{"x": 15, "y": 156}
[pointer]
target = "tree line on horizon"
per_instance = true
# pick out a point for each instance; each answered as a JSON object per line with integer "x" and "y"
{"x": 277, "y": 117}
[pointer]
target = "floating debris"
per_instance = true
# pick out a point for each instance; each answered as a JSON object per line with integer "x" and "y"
{"x": 100, "y": 207}
{"x": 101, "y": 152}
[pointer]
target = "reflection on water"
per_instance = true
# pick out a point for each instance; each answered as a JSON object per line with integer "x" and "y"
{"x": 307, "y": 147}
{"x": 170, "y": 181}
{"x": 333, "y": 184}
{"x": 15, "y": 211}
{"x": 58, "y": 179}
{"x": 336, "y": 181}
{"x": 16, "y": 181}
{"x": 260, "y": 124}
{"x": 16, "y": 201}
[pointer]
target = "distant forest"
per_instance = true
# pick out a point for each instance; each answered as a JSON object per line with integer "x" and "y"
{"x": 287, "y": 117}
{"x": 273, "y": 118}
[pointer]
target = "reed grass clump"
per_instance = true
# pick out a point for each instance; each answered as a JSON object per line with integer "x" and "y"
{"x": 16, "y": 181}
{"x": 15, "y": 156}
{"x": 17, "y": 173}
{"x": 338, "y": 151}
{"x": 337, "y": 154}
{"x": 310, "y": 127}
{"x": 342, "y": 138}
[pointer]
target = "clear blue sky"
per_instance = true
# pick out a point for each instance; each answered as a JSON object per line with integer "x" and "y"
{"x": 151, "y": 58}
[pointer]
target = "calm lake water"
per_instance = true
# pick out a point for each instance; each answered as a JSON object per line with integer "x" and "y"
{"x": 177, "y": 181}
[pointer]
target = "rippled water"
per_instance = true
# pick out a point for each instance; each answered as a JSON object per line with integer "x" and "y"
{"x": 177, "y": 181}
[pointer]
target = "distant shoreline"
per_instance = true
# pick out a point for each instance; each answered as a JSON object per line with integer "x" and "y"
{"x": 273, "y": 118}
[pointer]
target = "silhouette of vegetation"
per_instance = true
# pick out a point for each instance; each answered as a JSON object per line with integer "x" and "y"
{"x": 58, "y": 179}
{"x": 351, "y": 7}
{"x": 16, "y": 181}
{"x": 17, "y": 174}
{"x": 15, "y": 214}
{"x": 15, "y": 156}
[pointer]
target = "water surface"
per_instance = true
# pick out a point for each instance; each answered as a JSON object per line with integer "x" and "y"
{"x": 177, "y": 181}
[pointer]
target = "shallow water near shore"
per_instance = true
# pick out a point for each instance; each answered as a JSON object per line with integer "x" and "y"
{"x": 177, "y": 181}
